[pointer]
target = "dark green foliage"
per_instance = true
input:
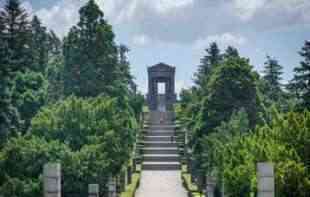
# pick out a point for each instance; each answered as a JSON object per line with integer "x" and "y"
{"x": 91, "y": 55}
{"x": 39, "y": 46}
{"x": 301, "y": 82}
{"x": 234, "y": 124}
{"x": 91, "y": 138}
{"x": 212, "y": 59}
{"x": 231, "y": 87}
{"x": 272, "y": 78}
{"x": 233, "y": 155}
{"x": 16, "y": 33}
{"x": 29, "y": 95}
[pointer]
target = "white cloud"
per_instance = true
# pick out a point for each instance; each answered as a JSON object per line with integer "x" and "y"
{"x": 223, "y": 40}
{"x": 164, "y": 6}
{"x": 27, "y": 5}
{"x": 141, "y": 40}
{"x": 180, "y": 85}
{"x": 247, "y": 8}
{"x": 61, "y": 16}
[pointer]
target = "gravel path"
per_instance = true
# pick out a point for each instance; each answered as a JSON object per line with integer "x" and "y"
{"x": 161, "y": 184}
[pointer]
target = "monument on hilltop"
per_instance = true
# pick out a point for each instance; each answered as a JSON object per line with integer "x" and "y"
{"x": 165, "y": 74}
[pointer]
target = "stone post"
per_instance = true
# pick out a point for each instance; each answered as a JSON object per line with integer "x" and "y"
{"x": 93, "y": 190}
{"x": 210, "y": 186}
{"x": 129, "y": 175}
{"x": 265, "y": 180}
{"x": 112, "y": 187}
{"x": 52, "y": 180}
{"x": 134, "y": 165}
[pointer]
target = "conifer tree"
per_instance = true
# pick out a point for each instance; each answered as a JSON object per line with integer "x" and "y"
{"x": 91, "y": 55}
{"x": 210, "y": 60}
{"x": 231, "y": 52}
{"x": 39, "y": 46}
{"x": 272, "y": 77}
{"x": 17, "y": 33}
{"x": 301, "y": 81}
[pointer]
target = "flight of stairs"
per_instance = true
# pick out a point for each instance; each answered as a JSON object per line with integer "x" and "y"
{"x": 159, "y": 147}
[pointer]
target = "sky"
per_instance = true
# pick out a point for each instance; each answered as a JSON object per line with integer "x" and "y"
{"x": 176, "y": 32}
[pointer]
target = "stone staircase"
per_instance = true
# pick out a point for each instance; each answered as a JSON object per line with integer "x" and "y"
{"x": 159, "y": 147}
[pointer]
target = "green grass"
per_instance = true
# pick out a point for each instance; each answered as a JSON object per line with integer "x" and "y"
{"x": 188, "y": 184}
{"x": 131, "y": 189}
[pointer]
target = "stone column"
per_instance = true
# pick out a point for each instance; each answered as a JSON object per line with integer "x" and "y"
{"x": 112, "y": 187}
{"x": 134, "y": 165}
{"x": 265, "y": 180}
{"x": 52, "y": 180}
{"x": 93, "y": 190}
{"x": 210, "y": 186}
{"x": 129, "y": 175}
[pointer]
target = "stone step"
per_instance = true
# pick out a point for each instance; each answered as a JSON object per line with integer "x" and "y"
{"x": 159, "y": 138}
{"x": 160, "y": 127}
{"x": 159, "y": 133}
{"x": 161, "y": 166}
{"x": 160, "y": 144}
{"x": 161, "y": 158}
{"x": 160, "y": 151}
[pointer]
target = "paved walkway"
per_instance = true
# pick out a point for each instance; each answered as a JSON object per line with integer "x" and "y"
{"x": 161, "y": 184}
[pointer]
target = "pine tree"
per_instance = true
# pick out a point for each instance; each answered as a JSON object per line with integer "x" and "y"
{"x": 8, "y": 114}
{"x": 17, "y": 34}
{"x": 91, "y": 55}
{"x": 231, "y": 52}
{"x": 272, "y": 77}
{"x": 39, "y": 46}
{"x": 301, "y": 81}
{"x": 210, "y": 60}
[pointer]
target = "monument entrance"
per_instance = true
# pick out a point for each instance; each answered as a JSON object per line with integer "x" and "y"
{"x": 161, "y": 98}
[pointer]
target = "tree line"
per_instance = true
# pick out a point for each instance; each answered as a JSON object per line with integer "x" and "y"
{"x": 70, "y": 100}
{"x": 236, "y": 117}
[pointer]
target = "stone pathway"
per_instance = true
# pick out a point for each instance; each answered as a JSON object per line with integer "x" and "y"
{"x": 161, "y": 184}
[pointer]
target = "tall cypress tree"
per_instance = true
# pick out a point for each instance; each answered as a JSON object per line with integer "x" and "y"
{"x": 91, "y": 55}
{"x": 301, "y": 81}
{"x": 272, "y": 77}
{"x": 211, "y": 59}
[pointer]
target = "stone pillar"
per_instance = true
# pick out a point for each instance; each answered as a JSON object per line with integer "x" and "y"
{"x": 134, "y": 165}
{"x": 265, "y": 180}
{"x": 129, "y": 175}
{"x": 112, "y": 187}
{"x": 210, "y": 186}
{"x": 93, "y": 190}
{"x": 52, "y": 180}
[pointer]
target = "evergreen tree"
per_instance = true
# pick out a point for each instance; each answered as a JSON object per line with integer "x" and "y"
{"x": 210, "y": 60}
{"x": 39, "y": 46}
{"x": 231, "y": 52}
{"x": 272, "y": 77}
{"x": 9, "y": 118}
{"x": 16, "y": 32}
{"x": 91, "y": 55}
{"x": 301, "y": 81}
{"x": 232, "y": 87}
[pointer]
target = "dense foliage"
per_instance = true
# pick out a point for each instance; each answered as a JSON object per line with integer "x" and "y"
{"x": 72, "y": 102}
{"x": 236, "y": 118}
{"x": 91, "y": 138}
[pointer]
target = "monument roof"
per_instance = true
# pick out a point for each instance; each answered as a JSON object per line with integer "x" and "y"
{"x": 161, "y": 66}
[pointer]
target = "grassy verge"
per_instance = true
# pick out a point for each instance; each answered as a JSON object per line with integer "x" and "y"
{"x": 191, "y": 187}
{"x": 131, "y": 189}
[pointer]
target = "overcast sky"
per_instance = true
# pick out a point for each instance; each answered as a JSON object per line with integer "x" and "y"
{"x": 177, "y": 31}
